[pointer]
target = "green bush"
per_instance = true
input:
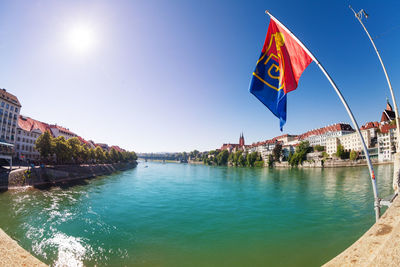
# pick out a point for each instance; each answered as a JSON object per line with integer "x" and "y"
{"x": 353, "y": 155}
{"x": 259, "y": 163}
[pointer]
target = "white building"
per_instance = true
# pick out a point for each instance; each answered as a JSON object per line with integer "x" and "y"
{"x": 387, "y": 142}
{"x": 386, "y": 137}
{"x": 57, "y": 131}
{"x": 350, "y": 142}
{"x": 319, "y": 136}
{"x": 28, "y": 131}
{"x": 9, "y": 112}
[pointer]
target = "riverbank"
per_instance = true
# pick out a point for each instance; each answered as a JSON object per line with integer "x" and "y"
{"x": 337, "y": 163}
{"x": 379, "y": 246}
{"x": 53, "y": 175}
{"x": 14, "y": 255}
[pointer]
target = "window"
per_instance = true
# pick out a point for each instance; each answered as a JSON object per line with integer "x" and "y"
{"x": 2, "y": 104}
{"x": 16, "y": 109}
{"x": 18, "y": 139}
{"x": 19, "y": 131}
{"x": 12, "y": 108}
{"x": 7, "y": 106}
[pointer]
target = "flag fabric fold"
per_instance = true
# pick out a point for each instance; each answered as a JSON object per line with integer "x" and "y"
{"x": 278, "y": 70}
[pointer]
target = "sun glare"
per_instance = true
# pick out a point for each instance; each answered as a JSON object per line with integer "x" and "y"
{"x": 81, "y": 38}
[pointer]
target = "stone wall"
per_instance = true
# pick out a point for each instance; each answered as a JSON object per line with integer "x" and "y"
{"x": 379, "y": 246}
{"x": 62, "y": 173}
{"x": 14, "y": 255}
{"x": 329, "y": 163}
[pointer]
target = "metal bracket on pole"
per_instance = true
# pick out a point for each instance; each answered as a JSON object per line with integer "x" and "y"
{"x": 388, "y": 202}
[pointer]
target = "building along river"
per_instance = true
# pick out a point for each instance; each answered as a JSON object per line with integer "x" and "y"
{"x": 194, "y": 215}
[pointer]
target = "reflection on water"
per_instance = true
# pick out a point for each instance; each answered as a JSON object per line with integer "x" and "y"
{"x": 181, "y": 215}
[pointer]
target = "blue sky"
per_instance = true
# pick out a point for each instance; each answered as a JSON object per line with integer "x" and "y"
{"x": 174, "y": 75}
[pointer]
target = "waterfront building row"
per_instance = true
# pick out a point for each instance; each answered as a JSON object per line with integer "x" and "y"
{"x": 18, "y": 133}
{"x": 379, "y": 137}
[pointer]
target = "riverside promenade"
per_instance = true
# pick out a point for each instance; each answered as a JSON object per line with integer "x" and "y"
{"x": 11, "y": 254}
{"x": 379, "y": 246}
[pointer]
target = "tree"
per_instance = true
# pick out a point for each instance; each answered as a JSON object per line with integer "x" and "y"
{"x": 133, "y": 156}
{"x": 84, "y": 154}
{"x": 62, "y": 150}
{"x": 74, "y": 146}
{"x": 238, "y": 158}
{"x": 222, "y": 157}
{"x": 241, "y": 160}
{"x": 319, "y": 148}
{"x": 270, "y": 161}
{"x": 44, "y": 144}
{"x": 100, "y": 155}
{"x": 251, "y": 158}
{"x": 92, "y": 155}
{"x": 114, "y": 155}
{"x": 300, "y": 155}
{"x": 290, "y": 156}
{"x": 277, "y": 152}
{"x": 340, "y": 153}
{"x": 353, "y": 155}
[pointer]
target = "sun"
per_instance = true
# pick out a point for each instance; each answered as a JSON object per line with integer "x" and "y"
{"x": 81, "y": 38}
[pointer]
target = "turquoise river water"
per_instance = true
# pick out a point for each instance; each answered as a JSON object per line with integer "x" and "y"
{"x": 194, "y": 215}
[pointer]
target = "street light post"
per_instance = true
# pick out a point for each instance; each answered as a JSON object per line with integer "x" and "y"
{"x": 359, "y": 17}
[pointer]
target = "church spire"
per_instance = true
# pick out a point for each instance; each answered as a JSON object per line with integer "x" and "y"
{"x": 241, "y": 139}
{"x": 388, "y": 106}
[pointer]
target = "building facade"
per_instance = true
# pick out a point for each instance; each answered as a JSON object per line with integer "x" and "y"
{"x": 10, "y": 108}
{"x": 319, "y": 136}
{"x": 57, "y": 131}
{"x": 28, "y": 131}
{"x": 387, "y": 142}
{"x": 350, "y": 142}
{"x": 235, "y": 147}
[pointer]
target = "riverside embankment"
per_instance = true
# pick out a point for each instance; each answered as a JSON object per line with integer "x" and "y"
{"x": 379, "y": 246}
{"x": 337, "y": 163}
{"x": 50, "y": 175}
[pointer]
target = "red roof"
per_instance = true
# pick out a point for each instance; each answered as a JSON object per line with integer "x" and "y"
{"x": 10, "y": 97}
{"x": 331, "y": 128}
{"x": 60, "y": 128}
{"x": 370, "y": 125}
{"x": 388, "y": 106}
{"x": 118, "y": 148}
{"x": 29, "y": 124}
{"x": 385, "y": 128}
{"x": 226, "y": 146}
{"x": 83, "y": 141}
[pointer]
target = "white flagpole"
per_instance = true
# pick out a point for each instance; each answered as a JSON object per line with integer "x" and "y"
{"x": 370, "y": 167}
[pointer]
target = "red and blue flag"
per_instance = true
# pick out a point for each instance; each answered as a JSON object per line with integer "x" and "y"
{"x": 278, "y": 70}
